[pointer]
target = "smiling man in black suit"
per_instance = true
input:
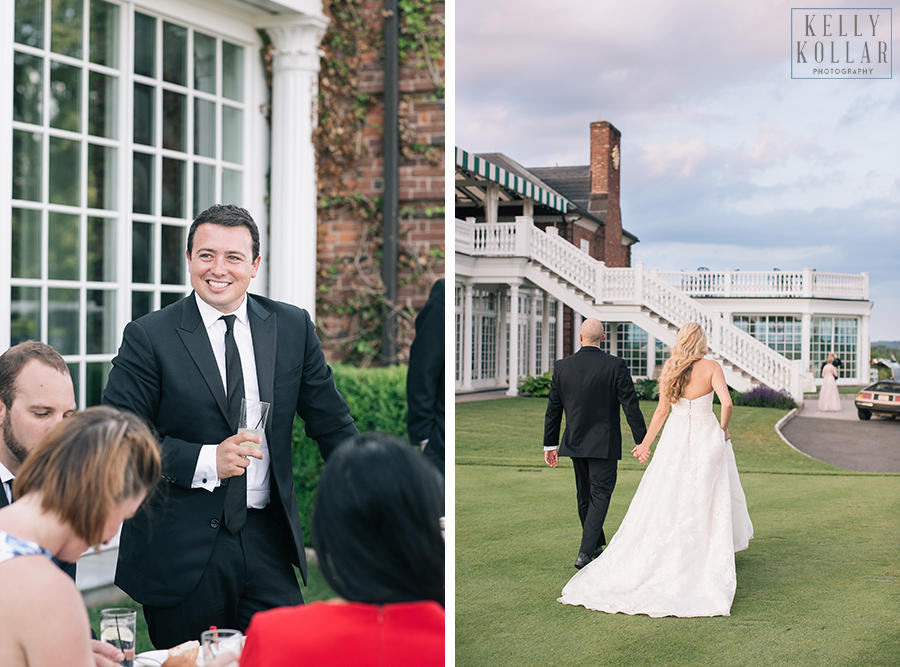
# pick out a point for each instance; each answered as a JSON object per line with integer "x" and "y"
{"x": 589, "y": 387}
{"x": 217, "y": 539}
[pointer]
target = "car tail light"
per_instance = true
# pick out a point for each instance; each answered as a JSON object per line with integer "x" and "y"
{"x": 865, "y": 395}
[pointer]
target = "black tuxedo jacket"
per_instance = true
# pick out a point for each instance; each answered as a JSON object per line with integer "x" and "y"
{"x": 589, "y": 387}
{"x": 425, "y": 379}
{"x": 166, "y": 372}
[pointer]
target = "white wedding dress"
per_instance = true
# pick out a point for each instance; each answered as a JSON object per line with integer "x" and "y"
{"x": 673, "y": 555}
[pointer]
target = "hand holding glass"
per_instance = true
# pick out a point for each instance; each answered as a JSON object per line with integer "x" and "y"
{"x": 117, "y": 627}
{"x": 253, "y": 419}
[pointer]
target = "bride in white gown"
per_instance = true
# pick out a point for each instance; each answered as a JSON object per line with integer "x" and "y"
{"x": 673, "y": 555}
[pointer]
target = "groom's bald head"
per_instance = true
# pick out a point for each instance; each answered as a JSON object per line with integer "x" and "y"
{"x": 591, "y": 332}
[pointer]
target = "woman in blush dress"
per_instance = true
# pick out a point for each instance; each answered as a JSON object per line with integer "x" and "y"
{"x": 829, "y": 397}
{"x": 673, "y": 555}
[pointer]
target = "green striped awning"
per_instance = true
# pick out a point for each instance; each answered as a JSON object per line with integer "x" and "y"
{"x": 492, "y": 172}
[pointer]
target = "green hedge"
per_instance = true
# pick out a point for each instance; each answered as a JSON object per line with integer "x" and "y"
{"x": 377, "y": 400}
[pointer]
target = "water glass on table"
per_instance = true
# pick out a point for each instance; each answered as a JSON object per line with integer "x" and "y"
{"x": 219, "y": 642}
{"x": 253, "y": 419}
{"x": 117, "y": 627}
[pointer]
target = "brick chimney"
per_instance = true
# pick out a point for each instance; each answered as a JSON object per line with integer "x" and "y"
{"x": 604, "y": 202}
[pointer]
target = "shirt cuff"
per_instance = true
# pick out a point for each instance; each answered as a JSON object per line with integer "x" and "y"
{"x": 205, "y": 475}
{"x": 551, "y": 449}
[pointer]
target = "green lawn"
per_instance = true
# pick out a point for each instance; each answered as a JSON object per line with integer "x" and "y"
{"x": 317, "y": 590}
{"x": 819, "y": 585}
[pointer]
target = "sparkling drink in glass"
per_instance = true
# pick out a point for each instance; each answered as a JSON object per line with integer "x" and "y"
{"x": 117, "y": 627}
{"x": 253, "y": 419}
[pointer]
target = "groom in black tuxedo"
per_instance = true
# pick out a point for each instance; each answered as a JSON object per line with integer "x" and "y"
{"x": 589, "y": 387}
{"x": 216, "y": 541}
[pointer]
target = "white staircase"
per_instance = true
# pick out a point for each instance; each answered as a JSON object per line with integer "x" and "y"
{"x": 630, "y": 295}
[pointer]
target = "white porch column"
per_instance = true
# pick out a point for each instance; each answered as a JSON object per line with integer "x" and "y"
{"x": 651, "y": 355}
{"x": 864, "y": 347}
{"x": 805, "y": 335}
{"x": 559, "y": 330}
{"x": 546, "y": 352}
{"x": 577, "y": 320}
{"x": 532, "y": 336}
{"x": 491, "y": 203}
{"x": 500, "y": 376}
{"x": 293, "y": 194}
{"x": 468, "y": 343}
{"x": 513, "y": 389}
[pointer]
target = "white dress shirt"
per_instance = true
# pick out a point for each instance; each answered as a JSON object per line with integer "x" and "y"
{"x": 205, "y": 475}
{"x": 6, "y": 477}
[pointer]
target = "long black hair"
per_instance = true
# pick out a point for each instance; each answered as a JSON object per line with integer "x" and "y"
{"x": 376, "y": 523}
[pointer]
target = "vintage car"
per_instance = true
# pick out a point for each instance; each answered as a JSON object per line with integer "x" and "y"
{"x": 882, "y": 397}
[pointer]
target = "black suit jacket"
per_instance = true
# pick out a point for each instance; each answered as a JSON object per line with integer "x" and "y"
{"x": 166, "y": 372}
{"x": 425, "y": 379}
{"x": 589, "y": 387}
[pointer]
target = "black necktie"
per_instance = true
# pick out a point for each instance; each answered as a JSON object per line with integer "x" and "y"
{"x": 4, "y": 501}
{"x": 236, "y": 493}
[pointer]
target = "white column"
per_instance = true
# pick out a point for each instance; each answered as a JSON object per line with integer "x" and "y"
{"x": 500, "y": 377}
{"x": 293, "y": 193}
{"x": 577, "y": 319}
{"x": 468, "y": 347}
{"x": 532, "y": 336}
{"x": 513, "y": 389}
{"x": 805, "y": 336}
{"x": 864, "y": 350}
{"x": 559, "y": 330}
{"x": 651, "y": 355}
{"x": 491, "y": 203}
{"x": 546, "y": 351}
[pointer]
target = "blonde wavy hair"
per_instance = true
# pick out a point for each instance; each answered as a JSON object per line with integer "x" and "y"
{"x": 690, "y": 345}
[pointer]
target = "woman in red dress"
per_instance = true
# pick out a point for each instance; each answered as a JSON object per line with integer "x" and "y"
{"x": 379, "y": 546}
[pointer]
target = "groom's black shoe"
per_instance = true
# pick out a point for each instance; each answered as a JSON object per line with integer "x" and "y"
{"x": 582, "y": 560}
{"x": 597, "y": 552}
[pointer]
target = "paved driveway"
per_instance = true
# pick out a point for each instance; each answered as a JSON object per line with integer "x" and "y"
{"x": 844, "y": 440}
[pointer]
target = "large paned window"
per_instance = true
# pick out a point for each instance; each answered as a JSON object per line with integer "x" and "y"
{"x": 836, "y": 335}
{"x": 118, "y": 140}
{"x": 632, "y": 347}
{"x": 782, "y": 333}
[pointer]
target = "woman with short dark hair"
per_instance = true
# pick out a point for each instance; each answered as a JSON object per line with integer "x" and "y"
{"x": 379, "y": 545}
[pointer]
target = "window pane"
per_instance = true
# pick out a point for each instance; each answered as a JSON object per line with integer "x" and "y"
{"x": 232, "y": 186}
{"x": 233, "y": 71}
{"x": 101, "y": 177}
{"x": 62, "y": 320}
{"x": 232, "y": 134}
{"x": 205, "y": 128}
{"x": 65, "y": 28}
{"x": 174, "y": 54}
{"x": 141, "y": 252}
{"x": 172, "y": 261}
{"x": 101, "y": 321}
{"x": 65, "y": 171}
{"x": 144, "y": 113}
{"x": 144, "y": 45}
{"x": 25, "y": 315}
{"x": 102, "y": 106}
{"x": 26, "y": 166}
{"x": 173, "y": 184}
{"x": 104, "y": 36}
{"x": 143, "y": 190}
{"x": 204, "y": 187}
{"x": 27, "y": 88}
{"x": 204, "y": 62}
{"x": 75, "y": 373}
{"x": 101, "y": 250}
{"x": 173, "y": 124}
{"x": 62, "y": 247}
{"x": 30, "y": 22}
{"x": 65, "y": 97}
{"x": 96, "y": 375}
{"x": 167, "y": 299}
{"x": 141, "y": 304}
{"x": 26, "y": 243}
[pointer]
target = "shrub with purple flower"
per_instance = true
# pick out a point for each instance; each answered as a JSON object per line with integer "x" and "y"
{"x": 765, "y": 397}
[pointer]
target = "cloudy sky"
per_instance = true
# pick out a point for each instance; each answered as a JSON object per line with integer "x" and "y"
{"x": 727, "y": 162}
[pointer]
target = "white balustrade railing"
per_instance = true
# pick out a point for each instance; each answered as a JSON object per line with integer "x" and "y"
{"x": 669, "y": 294}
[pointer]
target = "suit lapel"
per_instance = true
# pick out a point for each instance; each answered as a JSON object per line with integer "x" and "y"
{"x": 263, "y": 328}
{"x": 193, "y": 335}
